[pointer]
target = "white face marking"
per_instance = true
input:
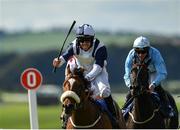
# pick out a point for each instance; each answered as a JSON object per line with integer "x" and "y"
{"x": 71, "y": 81}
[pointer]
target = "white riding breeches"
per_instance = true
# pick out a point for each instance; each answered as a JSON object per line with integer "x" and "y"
{"x": 100, "y": 85}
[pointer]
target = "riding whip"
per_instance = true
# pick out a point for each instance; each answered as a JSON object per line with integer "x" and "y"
{"x": 54, "y": 69}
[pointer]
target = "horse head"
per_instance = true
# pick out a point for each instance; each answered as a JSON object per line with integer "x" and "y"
{"x": 139, "y": 79}
{"x": 76, "y": 90}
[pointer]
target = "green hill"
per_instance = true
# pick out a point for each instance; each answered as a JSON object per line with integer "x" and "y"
{"x": 29, "y": 42}
{"x": 23, "y": 50}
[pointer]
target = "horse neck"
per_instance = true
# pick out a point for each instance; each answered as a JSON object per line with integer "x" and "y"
{"x": 143, "y": 107}
{"x": 88, "y": 110}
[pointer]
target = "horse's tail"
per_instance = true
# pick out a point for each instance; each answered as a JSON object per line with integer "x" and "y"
{"x": 174, "y": 121}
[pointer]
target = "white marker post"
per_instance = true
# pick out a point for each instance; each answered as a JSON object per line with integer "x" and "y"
{"x": 33, "y": 109}
{"x": 31, "y": 79}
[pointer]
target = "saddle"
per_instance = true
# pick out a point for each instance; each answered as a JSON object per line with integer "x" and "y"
{"x": 103, "y": 107}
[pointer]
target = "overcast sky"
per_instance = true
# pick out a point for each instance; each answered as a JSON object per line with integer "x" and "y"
{"x": 160, "y": 16}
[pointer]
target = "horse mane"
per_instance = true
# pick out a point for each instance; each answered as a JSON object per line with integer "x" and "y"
{"x": 78, "y": 73}
{"x": 141, "y": 74}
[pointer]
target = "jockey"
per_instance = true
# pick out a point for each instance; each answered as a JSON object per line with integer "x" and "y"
{"x": 143, "y": 52}
{"x": 88, "y": 52}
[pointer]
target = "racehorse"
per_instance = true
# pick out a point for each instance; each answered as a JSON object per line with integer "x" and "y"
{"x": 82, "y": 110}
{"x": 145, "y": 112}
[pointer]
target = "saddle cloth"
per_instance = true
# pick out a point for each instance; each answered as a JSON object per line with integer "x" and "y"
{"x": 102, "y": 104}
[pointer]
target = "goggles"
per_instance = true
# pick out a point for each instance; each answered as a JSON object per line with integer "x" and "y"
{"x": 83, "y": 39}
{"x": 141, "y": 50}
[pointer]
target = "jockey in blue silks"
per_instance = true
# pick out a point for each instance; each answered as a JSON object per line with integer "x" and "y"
{"x": 88, "y": 52}
{"x": 143, "y": 52}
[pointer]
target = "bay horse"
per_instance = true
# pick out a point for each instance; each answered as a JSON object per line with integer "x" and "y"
{"x": 145, "y": 113}
{"x": 83, "y": 112}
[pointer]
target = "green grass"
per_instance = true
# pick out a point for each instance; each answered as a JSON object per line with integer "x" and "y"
{"x": 16, "y": 115}
{"x": 49, "y": 117}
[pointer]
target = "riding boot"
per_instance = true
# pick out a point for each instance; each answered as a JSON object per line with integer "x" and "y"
{"x": 166, "y": 108}
{"x": 111, "y": 107}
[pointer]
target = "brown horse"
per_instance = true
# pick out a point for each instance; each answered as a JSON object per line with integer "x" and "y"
{"x": 145, "y": 112}
{"x": 82, "y": 110}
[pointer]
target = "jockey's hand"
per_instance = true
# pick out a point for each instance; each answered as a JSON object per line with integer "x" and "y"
{"x": 56, "y": 62}
{"x": 87, "y": 78}
{"x": 151, "y": 87}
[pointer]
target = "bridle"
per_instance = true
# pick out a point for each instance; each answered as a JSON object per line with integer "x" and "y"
{"x": 79, "y": 102}
{"x": 75, "y": 95}
{"x": 137, "y": 84}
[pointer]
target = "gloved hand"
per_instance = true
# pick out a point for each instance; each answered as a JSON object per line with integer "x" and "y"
{"x": 56, "y": 62}
{"x": 87, "y": 78}
{"x": 88, "y": 83}
{"x": 151, "y": 87}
